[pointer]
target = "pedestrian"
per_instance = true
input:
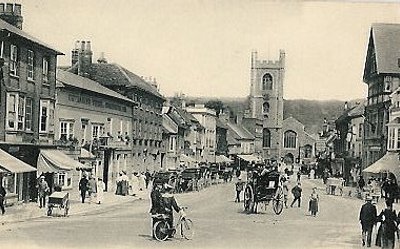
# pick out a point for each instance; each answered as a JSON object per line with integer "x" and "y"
{"x": 298, "y": 176}
{"x": 118, "y": 191}
{"x": 148, "y": 176}
{"x": 285, "y": 188}
{"x": 100, "y": 191}
{"x": 156, "y": 203}
{"x": 2, "y": 197}
{"x": 361, "y": 184}
{"x": 124, "y": 184}
{"x": 239, "y": 189}
{"x": 43, "y": 191}
{"x": 83, "y": 187}
{"x": 142, "y": 181}
{"x": 92, "y": 189}
{"x": 296, "y": 191}
{"x": 313, "y": 203}
{"x": 367, "y": 218}
{"x": 386, "y": 232}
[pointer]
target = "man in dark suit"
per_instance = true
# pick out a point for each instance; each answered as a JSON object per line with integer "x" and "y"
{"x": 2, "y": 197}
{"x": 368, "y": 215}
{"x": 83, "y": 187}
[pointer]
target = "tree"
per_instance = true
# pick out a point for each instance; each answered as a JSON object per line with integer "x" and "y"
{"x": 216, "y": 105}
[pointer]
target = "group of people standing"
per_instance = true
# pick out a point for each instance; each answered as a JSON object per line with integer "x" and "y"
{"x": 93, "y": 188}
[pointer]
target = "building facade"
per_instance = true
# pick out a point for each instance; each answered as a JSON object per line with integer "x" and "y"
{"x": 27, "y": 97}
{"x": 382, "y": 76}
{"x": 147, "y": 121}
{"x": 98, "y": 119}
{"x": 266, "y": 101}
{"x": 207, "y": 119}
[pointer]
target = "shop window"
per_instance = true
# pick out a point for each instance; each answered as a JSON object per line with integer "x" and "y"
{"x": 63, "y": 179}
{"x": 9, "y": 182}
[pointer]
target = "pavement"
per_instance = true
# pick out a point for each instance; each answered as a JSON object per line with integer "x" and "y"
{"x": 28, "y": 211}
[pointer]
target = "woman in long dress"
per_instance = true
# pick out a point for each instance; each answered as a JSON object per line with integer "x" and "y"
{"x": 313, "y": 203}
{"x": 100, "y": 190}
{"x": 135, "y": 184}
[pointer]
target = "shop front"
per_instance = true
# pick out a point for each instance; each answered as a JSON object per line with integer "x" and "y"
{"x": 14, "y": 176}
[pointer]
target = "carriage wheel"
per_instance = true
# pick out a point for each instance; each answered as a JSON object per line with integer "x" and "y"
{"x": 278, "y": 200}
{"x": 249, "y": 199}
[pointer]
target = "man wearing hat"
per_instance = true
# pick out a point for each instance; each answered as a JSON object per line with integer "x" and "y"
{"x": 239, "y": 189}
{"x": 43, "y": 190}
{"x": 368, "y": 215}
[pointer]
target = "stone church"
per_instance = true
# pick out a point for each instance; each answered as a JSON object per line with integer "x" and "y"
{"x": 279, "y": 138}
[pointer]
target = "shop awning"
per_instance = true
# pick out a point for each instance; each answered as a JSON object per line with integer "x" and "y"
{"x": 222, "y": 159}
{"x": 249, "y": 158}
{"x": 55, "y": 161}
{"x": 388, "y": 163}
{"x": 8, "y": 163}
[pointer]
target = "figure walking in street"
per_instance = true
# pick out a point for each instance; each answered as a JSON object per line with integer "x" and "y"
{"x": 298, "y": 176}
{"x": 92, "y": 189}
{"x": 386, "y": 232}
{"x": 285, "y": 189}
{"x": 100, "y": 191}
{"x": 83, "y": 187}
{"x": 148, "y": 176}
{"x": 313, "y": 203}
{"x": 367, "y": 218}
{"x": 239, "y": 189}
{"x": 43, "y": 191}
{"x": 2, "y": 197}
{"x": 296, "y": 191}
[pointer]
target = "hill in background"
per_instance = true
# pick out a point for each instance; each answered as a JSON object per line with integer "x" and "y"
{"x": 309, "y": 112}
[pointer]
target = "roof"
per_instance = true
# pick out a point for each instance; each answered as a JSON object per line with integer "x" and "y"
{"x": 239, "y": 132}
{"x": 67, "y": 78}
{"x": 388, "y": 163}
{"x": 231, "y": 140}
{"x": 111, "y": 74}
{"x": 395, "y": 121}
{"x": 386, "y": 41}
{"x": 11, "y": 28}
{"x": 358, "y": 110}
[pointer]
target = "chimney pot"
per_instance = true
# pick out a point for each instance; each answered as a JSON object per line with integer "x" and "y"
{"x": 82, "y": 45}
{"x": 2, "y": 8}
{"x": 88, "y": 46}
{"x": 77, "y": 44}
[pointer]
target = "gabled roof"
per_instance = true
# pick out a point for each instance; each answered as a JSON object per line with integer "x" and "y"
{"x": 358, "y": 110}
{"x": 67, "y": 78}
{"x": 385, "y": 40}
{"x": 6, "y": 26}
{"x": 292, "y": 119}
{"x": 231, "y": 140}
{"x": 111, "y": 74}
{"x": 239, "y": 132}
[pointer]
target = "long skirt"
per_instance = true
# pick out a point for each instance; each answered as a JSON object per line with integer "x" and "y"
{"x": 313, "y": 206}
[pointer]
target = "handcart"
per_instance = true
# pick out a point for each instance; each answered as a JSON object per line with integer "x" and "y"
{"x": 58, "y": 201}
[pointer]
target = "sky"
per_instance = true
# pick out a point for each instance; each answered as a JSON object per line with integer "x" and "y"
{"x": 202, "y": 47}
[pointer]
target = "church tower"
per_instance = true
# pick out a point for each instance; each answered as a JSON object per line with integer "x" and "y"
{"x": 266, "y": 101}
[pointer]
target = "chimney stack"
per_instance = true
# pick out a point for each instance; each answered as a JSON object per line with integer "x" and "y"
{"x": 82, "y": 56}
{"x": 11, "y": 13}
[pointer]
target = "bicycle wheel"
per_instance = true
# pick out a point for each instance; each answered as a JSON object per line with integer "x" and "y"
{"x": 161, "y": 230}
{"x": 187, "y": 229}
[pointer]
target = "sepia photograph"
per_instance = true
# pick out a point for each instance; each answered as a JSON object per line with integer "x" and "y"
{"x": 199, "y": 124}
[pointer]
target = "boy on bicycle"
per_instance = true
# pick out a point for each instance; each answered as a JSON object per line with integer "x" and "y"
{"x": 169, "y": 205}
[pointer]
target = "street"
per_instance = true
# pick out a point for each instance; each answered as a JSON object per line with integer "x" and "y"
{"x": 219, "y": 223}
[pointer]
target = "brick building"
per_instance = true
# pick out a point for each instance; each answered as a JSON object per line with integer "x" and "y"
{"x": 147, "y": 116}
{"x": 27, "y": 95}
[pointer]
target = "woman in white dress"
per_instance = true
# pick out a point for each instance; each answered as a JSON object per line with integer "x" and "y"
{"x": 100, "y": 190}
{"x": 135, "y": 184}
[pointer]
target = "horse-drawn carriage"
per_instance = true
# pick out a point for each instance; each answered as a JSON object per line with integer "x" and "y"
{"x": 262, "y": 189}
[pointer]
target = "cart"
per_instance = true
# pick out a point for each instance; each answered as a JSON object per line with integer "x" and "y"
{"x": 334, "y": 184}
{"x": 58, "y": 201}
{"x": 262, "y": 190}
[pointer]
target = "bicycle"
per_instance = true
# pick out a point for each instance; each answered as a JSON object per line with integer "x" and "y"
{"x": 162, "y": 230}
